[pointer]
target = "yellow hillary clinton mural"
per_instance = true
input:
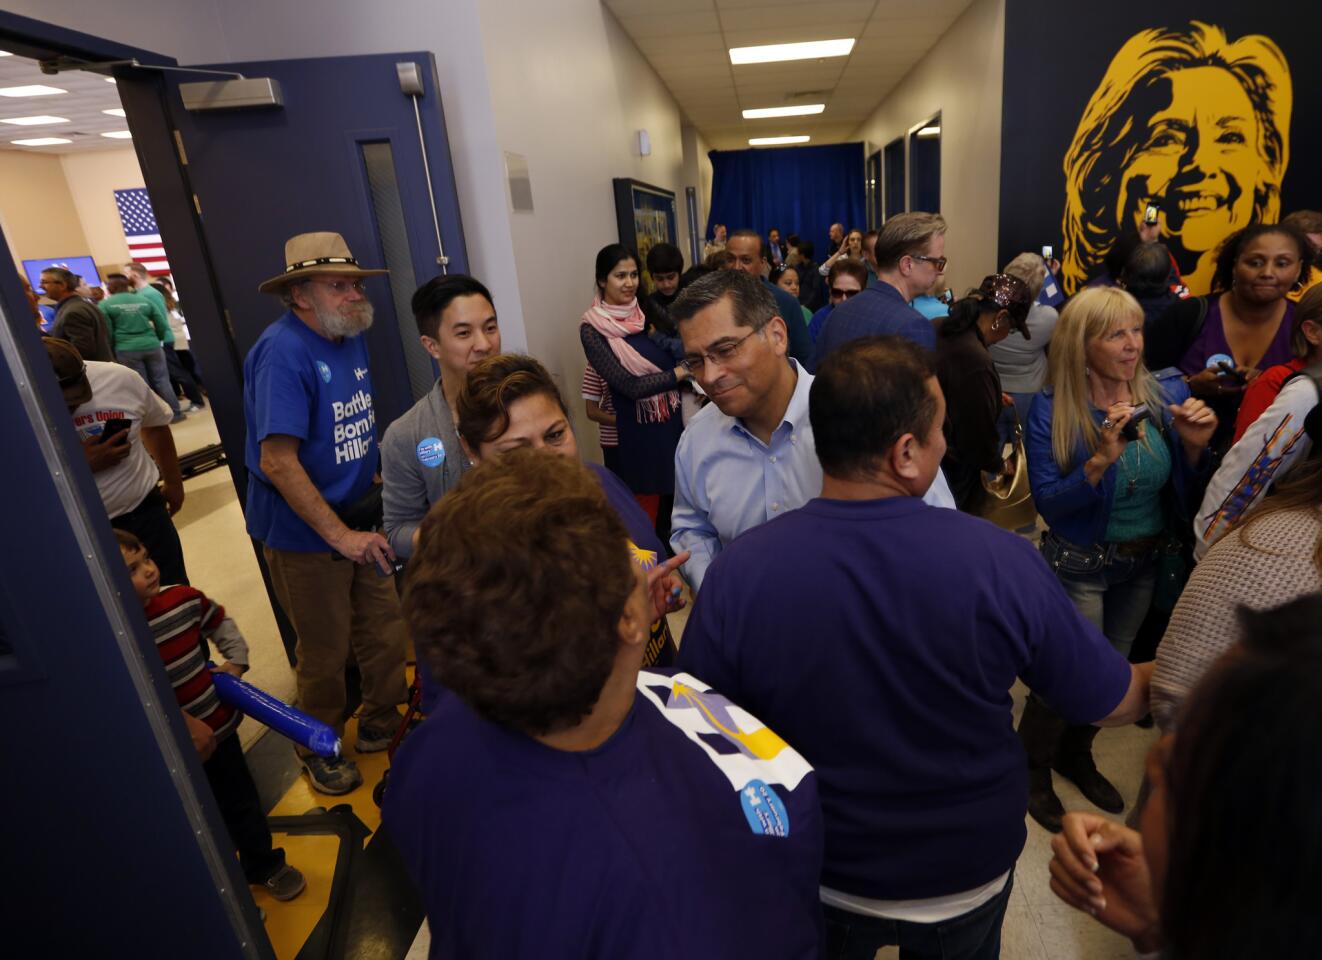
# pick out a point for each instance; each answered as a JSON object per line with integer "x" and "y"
{"x": 1190, "y": 121}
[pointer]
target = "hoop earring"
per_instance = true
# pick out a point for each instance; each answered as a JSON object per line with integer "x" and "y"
{"x": 1298, "y": 285}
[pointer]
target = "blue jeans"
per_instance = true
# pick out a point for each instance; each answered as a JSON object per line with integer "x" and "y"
{"x": 151, "y": 366}
{"x": 1111, "y": 589}
{"x": 975, "y": 935}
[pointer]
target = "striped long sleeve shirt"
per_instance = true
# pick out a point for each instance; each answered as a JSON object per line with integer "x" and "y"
{"x": 182, "y": 620}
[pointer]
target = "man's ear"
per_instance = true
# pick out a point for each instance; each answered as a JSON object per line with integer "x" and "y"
{"x": 903, "y": 457}
{"x": 635, "y": 627}
{"x": 778, "y": 333}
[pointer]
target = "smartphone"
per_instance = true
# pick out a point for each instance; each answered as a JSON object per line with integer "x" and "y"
{"x": 1150, "y": 214}
{"x": 1047, "y": 253}
{"x": 1130, "y": 430}
{"x": 1229, "y": 371}
{"x": 114, "y": 426}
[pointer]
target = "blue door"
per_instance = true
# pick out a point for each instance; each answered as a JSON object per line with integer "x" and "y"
{"x": 342, "y": 153}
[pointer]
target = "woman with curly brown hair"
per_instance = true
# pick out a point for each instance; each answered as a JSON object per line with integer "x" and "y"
{"x": 563, "y": 801}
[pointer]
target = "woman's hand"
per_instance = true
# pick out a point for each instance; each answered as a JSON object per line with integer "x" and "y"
{"x": 1213, "y": 383}
{"x": 683, "y": 373}
{"x": 1195, "y": 423}
{"x": 1111, "y": 444}
{"x": 1098, "y": 867}
{"x": 665, "y": 586}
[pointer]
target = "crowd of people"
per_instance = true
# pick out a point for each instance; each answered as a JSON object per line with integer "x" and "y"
{"x": 826, "y": 762}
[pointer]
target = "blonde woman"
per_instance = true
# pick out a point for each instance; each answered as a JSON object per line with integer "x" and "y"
{"x": 1103, "y": 496}
{"x": 1189, "y": 121}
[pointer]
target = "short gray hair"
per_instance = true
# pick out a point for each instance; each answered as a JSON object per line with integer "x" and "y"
{"x": 287, "y": 292}
{"x": 753, "y": 303}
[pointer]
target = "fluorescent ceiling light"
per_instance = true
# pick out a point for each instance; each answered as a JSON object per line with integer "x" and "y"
{"x": 34, "y": 121}
{"x": 41, "y": 142}
{"x": 5, "y": 53}
{"x": 805, "y": 110}
{"x": 773, "y": 141}
{"x": 777, "y": 52}
{"x": 111, "y": 80}
{"x": 35, "y": 90}
{"x": 115, "y": 112}
{"x": 930, "y": 132}
{"x": 118, "y": 135}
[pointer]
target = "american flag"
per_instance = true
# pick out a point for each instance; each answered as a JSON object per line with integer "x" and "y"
{"x": 140, "y": 230}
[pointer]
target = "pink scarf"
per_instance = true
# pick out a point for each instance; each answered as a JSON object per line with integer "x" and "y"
{"x": 615, "y": 323}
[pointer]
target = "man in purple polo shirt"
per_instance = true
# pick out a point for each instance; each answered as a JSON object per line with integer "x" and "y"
{"x": 910, "y": 253}
{"x": 894, "y": 680}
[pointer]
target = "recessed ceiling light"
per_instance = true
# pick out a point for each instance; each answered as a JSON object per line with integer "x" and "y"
{"x": 33, "y": 121}
{"x": 930, "y": 132}
{"x": 773, "y": 141}
{"x": 776, "y": 52}
{"x": 115, "y": 112}
{"x": 35, "y": 90}
{"x": 118, "y": 135}
{"x": 805, "y": 110}
{"x": 41, "y": 142}
{"x": 5, "y": 53}
{"x": 111, "y": 80}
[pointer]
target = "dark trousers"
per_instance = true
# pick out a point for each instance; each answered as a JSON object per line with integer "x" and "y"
{"x": 975, "y": 935}
{"x": 150, "y": 522}
{"x": 190, "y": 364}
{"x": 181, "y": 378}
{"x": 236, "y": 795}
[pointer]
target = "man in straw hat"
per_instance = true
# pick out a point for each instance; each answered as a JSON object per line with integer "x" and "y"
{"x": 313, "y": 498}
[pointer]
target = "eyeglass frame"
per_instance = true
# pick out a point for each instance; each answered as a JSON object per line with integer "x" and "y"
{"x": 938, "y": 262}
{"x": 843, "y": 294}
{"x": 357, "y": 286}
{"x": 728, "y": 349}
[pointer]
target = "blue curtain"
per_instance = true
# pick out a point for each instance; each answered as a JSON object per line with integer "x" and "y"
{"x": 799, "y": 190}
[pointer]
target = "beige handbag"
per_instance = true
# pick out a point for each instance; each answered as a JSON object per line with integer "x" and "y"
{"x": 1009, "y": 500}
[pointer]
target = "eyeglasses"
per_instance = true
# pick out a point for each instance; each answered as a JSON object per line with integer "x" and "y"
{"x": 344, "y": 286}
{"x": 721, "y": 354}
{"x": 938, "y": 262}
{"x": 843, "y": 294}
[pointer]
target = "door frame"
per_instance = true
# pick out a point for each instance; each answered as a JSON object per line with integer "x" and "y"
{"x": 142, "y": 92}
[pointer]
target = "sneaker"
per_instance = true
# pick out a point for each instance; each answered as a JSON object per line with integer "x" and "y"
{"x": 194, "y": 407}
{"x": 334, "y": 776}
{"x": 374, "y": 739}
{"x": 178, "y": 417}
{"x": 285, "y": 884}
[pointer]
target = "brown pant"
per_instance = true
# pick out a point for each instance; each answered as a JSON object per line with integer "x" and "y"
{"x": 337, "y": 606}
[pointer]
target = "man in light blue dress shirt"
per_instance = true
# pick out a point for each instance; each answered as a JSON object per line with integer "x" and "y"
{"x": 749, "y": 455}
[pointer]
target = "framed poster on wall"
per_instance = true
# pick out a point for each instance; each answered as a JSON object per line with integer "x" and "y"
{"x": 646, "y": 216}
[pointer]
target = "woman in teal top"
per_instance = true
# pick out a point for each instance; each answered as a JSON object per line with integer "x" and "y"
{"x": 787, "y": 278}
{"x": 138, "y": 327}
{"x": 1108, "y": 484}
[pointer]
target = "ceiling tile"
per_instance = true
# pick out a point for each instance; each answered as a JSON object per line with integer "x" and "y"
{"x": 633, "y": 8}
{"x": 670, "y": 24}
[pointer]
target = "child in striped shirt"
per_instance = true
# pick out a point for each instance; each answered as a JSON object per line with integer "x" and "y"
{"x": 182, "y": 620}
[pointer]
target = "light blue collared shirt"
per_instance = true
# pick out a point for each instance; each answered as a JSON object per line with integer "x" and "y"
{"x": 728, "y": 481}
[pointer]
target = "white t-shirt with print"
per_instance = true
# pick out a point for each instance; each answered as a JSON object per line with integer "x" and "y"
{"x": 119, "y": 393}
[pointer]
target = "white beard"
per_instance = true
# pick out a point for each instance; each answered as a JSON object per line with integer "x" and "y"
{"x": 350, "y": 320}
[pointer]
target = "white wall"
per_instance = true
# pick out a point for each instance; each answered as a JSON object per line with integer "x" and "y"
{"x": 36, "y": 211}
{"x": 697, "y": 173}
{"x": 960, "y": 78}
{"x": 93, "y": 178}
{"x": 570, "y": 92}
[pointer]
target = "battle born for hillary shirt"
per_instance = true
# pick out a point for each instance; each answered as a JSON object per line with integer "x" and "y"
{"x": 297, "y": 383}
{"x": 694, "y": 831}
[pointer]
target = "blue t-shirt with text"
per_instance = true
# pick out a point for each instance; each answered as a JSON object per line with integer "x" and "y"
{"x": 299, "y": 384}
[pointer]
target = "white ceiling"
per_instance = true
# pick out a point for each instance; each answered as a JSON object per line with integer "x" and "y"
{"x": 88, "y": 94}
{"x": 686, "y": 42}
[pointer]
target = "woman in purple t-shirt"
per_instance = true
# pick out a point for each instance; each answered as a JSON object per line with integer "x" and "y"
{"x": 1223, "y": 341}
{"x": 509, "y": 402}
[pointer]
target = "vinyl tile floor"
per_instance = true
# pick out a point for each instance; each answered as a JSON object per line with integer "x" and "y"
{"x": 222, "y": 564}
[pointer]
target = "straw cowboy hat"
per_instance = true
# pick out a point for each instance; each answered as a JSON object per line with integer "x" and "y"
{"x": 309, "y": 254}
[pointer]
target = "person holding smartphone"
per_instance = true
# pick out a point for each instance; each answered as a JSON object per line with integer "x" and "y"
{"x": 125, "y": 431}
{"x": 1102, "y": 473}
